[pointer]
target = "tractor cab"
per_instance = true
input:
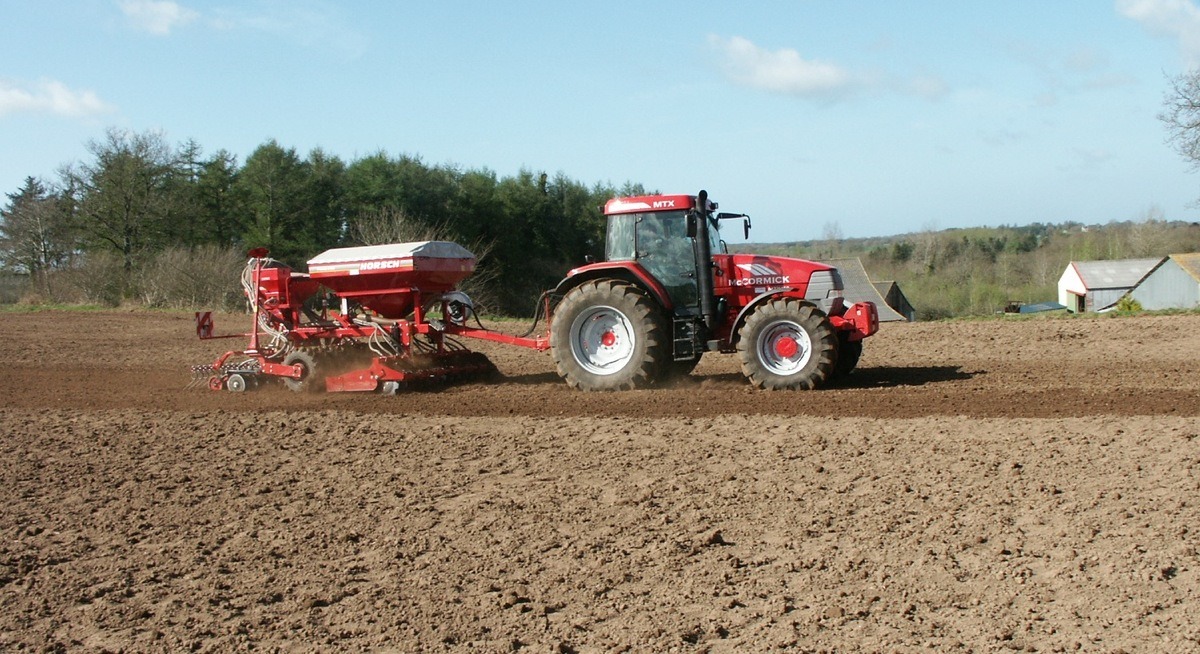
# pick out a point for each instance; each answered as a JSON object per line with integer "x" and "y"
{"x": 660, "y": 234}
{"x": 659, "y": 242}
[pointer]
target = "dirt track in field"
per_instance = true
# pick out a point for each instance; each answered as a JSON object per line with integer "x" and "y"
{"x": 988, "y": 486}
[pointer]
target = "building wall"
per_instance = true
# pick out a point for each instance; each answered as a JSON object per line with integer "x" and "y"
{"x": 1168, "y": 287}
{"x": 1070, "y": 286}
{"x": 898, "y": 301}
{"x": 1104, "y": 297}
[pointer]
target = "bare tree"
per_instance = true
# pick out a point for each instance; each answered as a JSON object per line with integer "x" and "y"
{"x": 1149, "y": 236}
{"x": 1181, "y": 114}
{"x": 831, "y": 233}
{"x": 1044, "y": 267}
{"x": 35, "y": 235}
{"x": 389, "y": 225}
{"x": 927, "y": 248}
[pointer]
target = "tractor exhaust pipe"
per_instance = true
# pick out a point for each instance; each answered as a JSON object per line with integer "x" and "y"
{"x": 702, "y": 247}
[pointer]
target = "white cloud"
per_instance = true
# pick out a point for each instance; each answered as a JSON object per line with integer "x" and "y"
{"x": 780, "y": 71}
{"x": 785, "y": 71}
{"x": 309, "y": 23}
{"x": 157, "y": 17}
{"x": 1176, "y": 19}
{"x": 49, "y": 96}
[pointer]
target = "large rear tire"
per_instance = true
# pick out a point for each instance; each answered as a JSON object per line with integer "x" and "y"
{"x": 787, "y": 344}
{"x": 608, "y": 335}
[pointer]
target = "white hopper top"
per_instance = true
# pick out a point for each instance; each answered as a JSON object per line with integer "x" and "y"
{"x": 429, "y": 249}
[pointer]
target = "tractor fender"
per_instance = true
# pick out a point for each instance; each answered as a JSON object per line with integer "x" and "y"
{"x": 627, "y": 271}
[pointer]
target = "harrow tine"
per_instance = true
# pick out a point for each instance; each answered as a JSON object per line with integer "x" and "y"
{"x": 200, "y": 375}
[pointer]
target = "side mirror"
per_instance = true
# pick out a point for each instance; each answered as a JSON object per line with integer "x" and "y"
{"x": 745, "y": 221}
{"x": 692, "y": 228}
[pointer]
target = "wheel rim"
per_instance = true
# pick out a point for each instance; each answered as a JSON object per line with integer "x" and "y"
{"x": 784, "y": 348}
{"x": 602, "y": 340}
{"x": 236, "y": 383}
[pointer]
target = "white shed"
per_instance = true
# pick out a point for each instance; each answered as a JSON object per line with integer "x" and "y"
{"x": 1096, "y": 285}
{"x": 1173, "y": 284}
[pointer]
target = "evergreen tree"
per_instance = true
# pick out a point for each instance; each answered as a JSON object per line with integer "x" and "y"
{"x": 325, "y": 223}
{"x": 221, "y": 211}
{"x": 273, "y": 184}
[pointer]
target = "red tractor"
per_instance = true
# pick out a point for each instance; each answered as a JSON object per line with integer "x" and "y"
{"x": 668, "y": 291}
{"x": 373, "y": 318}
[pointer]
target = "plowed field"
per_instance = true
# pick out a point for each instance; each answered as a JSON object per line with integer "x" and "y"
{"x": 1029, "y": 485}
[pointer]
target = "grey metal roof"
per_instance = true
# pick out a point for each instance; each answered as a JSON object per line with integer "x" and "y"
{"x": 884, "y": 287}
{"x": 858, "y": 287}
{"x": 1189, "y": 262}
{"x": 1042, "y": 306}
{"x": 1118, "y": 273}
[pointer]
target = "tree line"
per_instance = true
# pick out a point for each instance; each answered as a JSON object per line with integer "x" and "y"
{"x": 979, "y": 270}
{"x": 142, "y": 219}
{"x": 168, "y": 225}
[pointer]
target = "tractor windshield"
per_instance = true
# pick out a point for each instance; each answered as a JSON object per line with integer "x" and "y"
{"x": 619, "y": 244}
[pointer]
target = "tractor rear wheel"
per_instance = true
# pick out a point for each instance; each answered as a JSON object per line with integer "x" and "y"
{"x": 308, "y": 381}
{"x": 608, "y": 335}
{"x": 787, "y": 344}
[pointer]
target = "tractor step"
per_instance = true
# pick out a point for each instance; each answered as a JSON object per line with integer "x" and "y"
{"x": 685, "y": 339}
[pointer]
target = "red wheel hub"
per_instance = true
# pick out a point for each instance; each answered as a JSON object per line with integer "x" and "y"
{"x": 608, "y": 339}
{"x": 787, "y": 347}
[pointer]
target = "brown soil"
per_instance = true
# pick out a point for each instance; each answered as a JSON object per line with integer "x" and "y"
{"x": 998, "y": 485}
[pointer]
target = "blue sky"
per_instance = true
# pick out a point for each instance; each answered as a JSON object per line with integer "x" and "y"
{"x": 869, "y": 118}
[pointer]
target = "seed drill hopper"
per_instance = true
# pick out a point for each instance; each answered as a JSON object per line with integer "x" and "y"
{"x": 362, "y": 319}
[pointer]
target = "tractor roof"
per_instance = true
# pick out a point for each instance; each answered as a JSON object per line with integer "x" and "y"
{"x": 644, "y": 203}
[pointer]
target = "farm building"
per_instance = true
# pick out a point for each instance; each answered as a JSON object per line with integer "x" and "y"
{"x": 1173, "y": 284}
{"x": 1096, "y": 285}
{"x": 895, "y": 298}
{"x": 858, "y": 288}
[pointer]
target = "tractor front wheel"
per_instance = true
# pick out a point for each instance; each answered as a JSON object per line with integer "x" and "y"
{"x": 848, "y": 354}
{"x": 608, "y": 335}
{"x": 787, "y": 344}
